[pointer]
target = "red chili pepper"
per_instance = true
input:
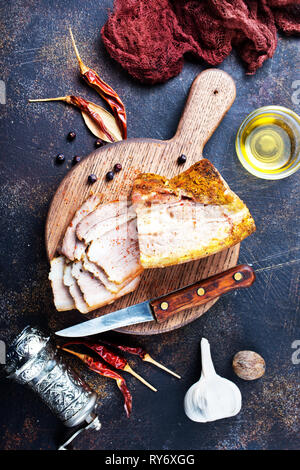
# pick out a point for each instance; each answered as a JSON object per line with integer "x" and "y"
{"x": 142, "y": 354}
{"x": 105, "y": 91}
{"x": 113, "y": 359}
{"x": 86, "y": 107}
{"x": 110, "y": 96}
{"x": 136, "y": 351}
{"x": 102, "y": 369}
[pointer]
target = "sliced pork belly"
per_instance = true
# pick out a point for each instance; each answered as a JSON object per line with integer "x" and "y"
{"x": 188, "y": 217}
{"x": 62, "y": 298}
{"x": 105, "y": 218}
{"x": 72, "y": 248}
{"x": 74, "y": 290}
{"x": 117, "y": 253}
{"x": 94, "y": 292}
{"x": 101, "y": 275}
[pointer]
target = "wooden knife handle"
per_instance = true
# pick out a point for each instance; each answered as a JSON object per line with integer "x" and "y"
{"x": 202, "y": 291}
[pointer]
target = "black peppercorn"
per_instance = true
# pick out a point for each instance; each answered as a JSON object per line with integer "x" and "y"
{"x": 109, "y": 176}
{"x": 117, "y": 167}
{"x": 71, "y": 135}
{"x": 76, "y": 159}
{"x": 181, "y": 160}
{"x": 60, "y": 158}
{"x": 92, "y": 179}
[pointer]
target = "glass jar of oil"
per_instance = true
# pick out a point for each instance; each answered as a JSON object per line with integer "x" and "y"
{"x": 268, "y": 142}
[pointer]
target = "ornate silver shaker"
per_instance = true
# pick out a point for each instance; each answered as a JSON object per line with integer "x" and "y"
{"x": 33, "y": 361}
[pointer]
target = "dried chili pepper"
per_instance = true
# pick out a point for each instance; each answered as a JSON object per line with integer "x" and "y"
{"x": 100, "y": 122}
{"x": 142, "y": 354}
{"x": 101, "y": 369}
{"x": 113, "y": 359}
{"x": 104, "y": 90}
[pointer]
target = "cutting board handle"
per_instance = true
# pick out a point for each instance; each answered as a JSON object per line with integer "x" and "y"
{"x": 211, "y": 95}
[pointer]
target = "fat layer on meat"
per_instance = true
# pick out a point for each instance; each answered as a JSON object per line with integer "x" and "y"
{"x": 72, "y": 248}
{"x": 103, "y": 219}
{"x": 62, "y": 299}
{"x": 117, "y": 253}
{"x": 188, "y": 217}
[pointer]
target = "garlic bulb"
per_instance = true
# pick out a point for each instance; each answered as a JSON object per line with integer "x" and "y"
{"x": 212, "y": 397}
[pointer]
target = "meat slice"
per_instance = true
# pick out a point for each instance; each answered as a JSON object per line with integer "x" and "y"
{"x": 105, "y": 218}
{"x": 193, "y": 215}
{"x": 94, "y": 292}
{"x": 74, "y": 290}
{"x": 72, "y": 248}
{"x": 117, "y": 253}
{"x": 100, "y": 274}
{"x": 62, "y": 299}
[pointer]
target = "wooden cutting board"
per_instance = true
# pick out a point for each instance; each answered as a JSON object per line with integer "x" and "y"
{"x": 211, "y": 95}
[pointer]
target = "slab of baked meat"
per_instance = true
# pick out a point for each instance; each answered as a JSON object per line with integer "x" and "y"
{"x": 190, "y": 216}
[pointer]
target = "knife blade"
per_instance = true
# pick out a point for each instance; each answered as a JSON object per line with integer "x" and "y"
{"x": 164, "y": 307}
{"x": 126, "y": 316}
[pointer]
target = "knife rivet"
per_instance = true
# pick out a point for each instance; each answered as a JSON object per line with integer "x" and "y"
{"x": 164, "y": 305}
{"x": 238, "y": 276}
{"x": 201, "y": 291}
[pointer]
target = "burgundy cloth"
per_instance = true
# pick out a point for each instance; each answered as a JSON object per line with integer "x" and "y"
{"x": 149, "y": 38}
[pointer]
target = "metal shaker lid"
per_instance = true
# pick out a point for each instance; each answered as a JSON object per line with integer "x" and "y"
{"x": 24, "y": 348}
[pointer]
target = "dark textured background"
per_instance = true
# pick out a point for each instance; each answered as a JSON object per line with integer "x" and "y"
{"x": 37, "y": 61}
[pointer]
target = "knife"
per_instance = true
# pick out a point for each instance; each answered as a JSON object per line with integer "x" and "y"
{"x": 164, "y": 307}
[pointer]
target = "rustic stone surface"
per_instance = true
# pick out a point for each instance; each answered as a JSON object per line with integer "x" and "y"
{"x": 37, "y": 61}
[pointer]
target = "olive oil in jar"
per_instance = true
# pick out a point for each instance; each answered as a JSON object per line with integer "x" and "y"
{"x": 268, "y": 142}
{"x": 268, "y": 145}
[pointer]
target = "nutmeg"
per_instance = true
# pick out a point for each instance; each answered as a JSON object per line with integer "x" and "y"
{"x": 248, "y": 365}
